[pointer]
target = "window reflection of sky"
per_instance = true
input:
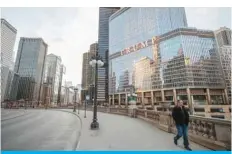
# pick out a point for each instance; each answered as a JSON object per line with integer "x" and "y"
{"x": 140, "y": 24}
{"x": 170, "y": 48}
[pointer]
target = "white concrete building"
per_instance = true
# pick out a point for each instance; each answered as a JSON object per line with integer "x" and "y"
{"x": 8, "y": 36}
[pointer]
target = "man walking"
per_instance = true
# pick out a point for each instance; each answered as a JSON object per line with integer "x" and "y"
{"x": 181, "y": 118}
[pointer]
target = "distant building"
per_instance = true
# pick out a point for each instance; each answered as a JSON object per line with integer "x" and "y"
{"x": 124, "y": 81}
{"x": 53, "y": 75}
{"x": 30, "y": 65}
{"x": 61, "y": 82}
{"x": 8, "y": 36}
{"x": 87, "y": 70}
{"x": 46, "y": 94}
{"x": 68, "y": 84}
{"x": 223, "y": 38}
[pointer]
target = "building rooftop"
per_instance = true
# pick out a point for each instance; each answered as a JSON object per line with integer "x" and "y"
{"x": 5, "y": 22}
{"x": 34, "y": 38}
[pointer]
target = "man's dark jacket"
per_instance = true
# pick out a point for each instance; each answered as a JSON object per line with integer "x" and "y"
{"x": 180, "y": 116}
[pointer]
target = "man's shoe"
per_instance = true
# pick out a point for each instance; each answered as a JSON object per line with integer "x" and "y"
{"x": 188, "y": 148}
{"x": 175, "y": 141}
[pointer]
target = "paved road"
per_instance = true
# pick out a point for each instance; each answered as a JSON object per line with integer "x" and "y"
{"x": 124, "y": 133}
{"x": 11, "y": 113}
{"x": 39, "y": 130}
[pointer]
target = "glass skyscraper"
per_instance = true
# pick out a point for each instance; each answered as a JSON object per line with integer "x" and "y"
{"x": 157, "y": 54}
{"x": 29, "y": 65}
{"x": 103, "y": 46}
{"x": 140, "y": 25}
{"x": 52, "y": 75}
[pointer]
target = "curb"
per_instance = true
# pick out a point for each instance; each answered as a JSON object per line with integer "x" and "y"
{"x": 78, "y": 135}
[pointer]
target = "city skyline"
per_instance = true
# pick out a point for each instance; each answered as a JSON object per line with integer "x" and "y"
{"x": 72, "y": 30}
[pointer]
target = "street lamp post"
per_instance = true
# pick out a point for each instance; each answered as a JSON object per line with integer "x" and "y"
{"x": 85, "y": 110}
{"x": 75, "y": 103}
{"x": 95, "y": 62}
{"x": 78, "y": 105}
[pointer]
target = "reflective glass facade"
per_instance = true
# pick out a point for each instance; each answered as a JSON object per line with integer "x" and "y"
{"x": 29, "y": 65}
{"x": 53, "y": 75}
{"x": 133, "y": 25}
{"x": 103, "y": 46}
{"x": 184, "y": 57}
{"x": 139, "y": 25}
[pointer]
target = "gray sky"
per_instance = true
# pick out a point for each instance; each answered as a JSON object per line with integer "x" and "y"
{"x": 70, "y": 31}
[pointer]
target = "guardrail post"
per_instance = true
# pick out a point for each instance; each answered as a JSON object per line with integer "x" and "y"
{"x": 145, "y": 113}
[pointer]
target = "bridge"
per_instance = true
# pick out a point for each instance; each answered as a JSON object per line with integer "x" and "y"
{"x": 120, "y": 129}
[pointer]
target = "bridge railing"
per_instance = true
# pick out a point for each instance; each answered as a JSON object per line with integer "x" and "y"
{"x": 210, "y": 132}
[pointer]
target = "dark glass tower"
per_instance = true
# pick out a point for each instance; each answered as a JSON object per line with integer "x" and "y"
{"x": 103, "y": 46}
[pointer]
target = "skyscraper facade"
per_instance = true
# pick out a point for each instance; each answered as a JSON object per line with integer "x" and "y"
{"x": 223, "y": 38}
{"x": 140, "y": 25}
{"x": 61, "y": 82}
{"x": 87, "y": 70}
{"x": 52, "y": 75}
{"x": 181, "y": 63}
{"x": 30, "y": 64}
{"x": 8, "y": 36}
{"x": 103, "y": 46}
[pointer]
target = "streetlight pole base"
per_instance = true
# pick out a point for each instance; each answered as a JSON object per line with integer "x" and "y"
{"x": 94, "y": 125}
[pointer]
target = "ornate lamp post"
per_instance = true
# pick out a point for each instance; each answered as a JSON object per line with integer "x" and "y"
{"x": 95, "y": 62}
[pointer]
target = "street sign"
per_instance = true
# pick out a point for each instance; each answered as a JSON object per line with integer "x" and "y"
{"x": 87, "y": 97}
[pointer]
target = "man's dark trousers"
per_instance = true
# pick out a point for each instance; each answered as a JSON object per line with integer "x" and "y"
{"x": 182, "y": 130}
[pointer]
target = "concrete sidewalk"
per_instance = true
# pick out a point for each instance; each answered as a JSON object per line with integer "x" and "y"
{"x": 124, "y": 133}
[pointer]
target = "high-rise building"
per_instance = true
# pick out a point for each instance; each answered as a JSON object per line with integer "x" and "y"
{"x": 184, "y": 62}
{"x": 52, "y": 75}
{"x": 124, "y": 81}
{"x": 223, "y": 38}
{"x": 30, "y": 64}
{"x": 93, "y": 49}
{"x": 61, "y": 82}
{"x": 103, "y": 46}
{"x": 8, "y": 36}
{"x": 87, "y": 70}
{"x": 140, "y": 25}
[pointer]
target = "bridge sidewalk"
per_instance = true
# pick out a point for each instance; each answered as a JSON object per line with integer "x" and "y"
{"x": 125, "y": 133}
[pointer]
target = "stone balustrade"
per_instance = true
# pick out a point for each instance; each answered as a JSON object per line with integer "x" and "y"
{"x": 212, "y": 133}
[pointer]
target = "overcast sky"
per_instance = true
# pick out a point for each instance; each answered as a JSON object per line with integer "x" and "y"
{"x": 70, "y": 31}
